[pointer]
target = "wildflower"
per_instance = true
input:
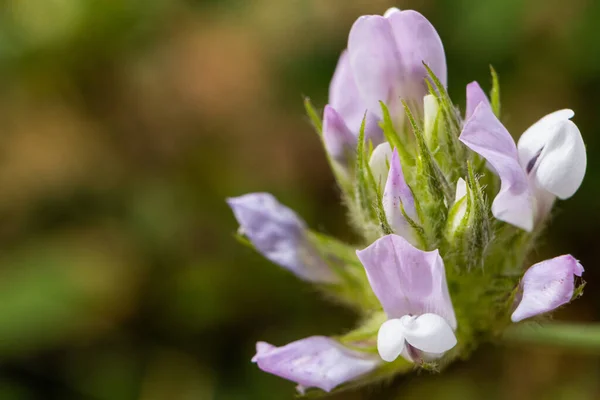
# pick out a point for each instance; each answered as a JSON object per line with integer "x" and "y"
{"x": 411, "y": 286}
{"x": 316, "y": 361}
{"x": 546, "y": 286}
{"x": 549, "y": 161}
{"x": 441, "y": 269}
{"x": 280, "y": 235}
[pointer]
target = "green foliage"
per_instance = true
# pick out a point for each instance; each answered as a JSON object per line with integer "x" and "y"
{"x": 432, "y": 189}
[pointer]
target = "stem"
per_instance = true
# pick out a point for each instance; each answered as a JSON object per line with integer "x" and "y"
{"x": 578, "y": 337}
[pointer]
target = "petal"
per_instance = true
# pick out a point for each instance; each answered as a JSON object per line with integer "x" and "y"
{"x": 417, "y": 42}
{"x": 459, "y": 209}
{"x": 484, "y": 134}
{"x": 340, "y": 143}
{"x": 429, "y": 333}
{"x": 533, "y": 140}
{"x": 380, "y": 162}
{"x": 279, "y": 235}
{"x": 475, "y": 95}
{"x": 461, "y": 189}
{"x": 406, "y": 280}
{"x": 262, "y": 348}
{"x": 345, "y": 98}
{"x": 387, "y": 55}
{"x": 390, "y": 340}
{"x": 375, "y": 62}
{"x": 397, "y": 193}
{"x": 316, "y": 361}
{"x": 546, "y": 286}
{"x": 391, "y": 11}
{"x": 561, "y": 166}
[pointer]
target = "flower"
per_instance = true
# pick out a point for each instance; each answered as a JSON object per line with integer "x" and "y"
{"x": 280, "y": 235}
{"x": 383, "y": 62}
{"x": 549, "y": 161}
{"x": 546, "y": 286}
{"x": 411, "y": 286}
{"x": 315, "y": 361}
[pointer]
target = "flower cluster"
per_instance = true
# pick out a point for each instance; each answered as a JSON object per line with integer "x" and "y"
{"x": 442, "y": 266}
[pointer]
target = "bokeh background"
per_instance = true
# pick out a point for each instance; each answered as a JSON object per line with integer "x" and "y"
{"x": 125, "y": 124}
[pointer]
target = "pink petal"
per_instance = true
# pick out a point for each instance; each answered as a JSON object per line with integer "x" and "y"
{"x": 346, "y": 100}
{"x": 546, "y": 286}
{"x": 396, "y": 193}
{"x": 406, "y": 280}
{"x": 316, "y": 361}
{"x": 484, "y": 134}
{"x": 280, "y": 235}
{"x": 340, "y": 143}
{"x": 475, "y": 95}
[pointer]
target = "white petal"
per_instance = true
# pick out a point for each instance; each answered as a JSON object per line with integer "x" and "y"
{"x": 390, "y": 11}
{"x": 562, "y": 163}
{"x": 459, "y": 209}
{"x": 429, "y": 332}
{"x": 461, "y": 189}
{"x": 537, "y": 135}
{"x": 390, "y": 340}
{"x": 380, "y": 162}
{"x": 431, "y": 108}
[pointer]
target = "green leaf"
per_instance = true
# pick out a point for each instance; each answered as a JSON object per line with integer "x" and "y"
{"x": 313, "y": 115}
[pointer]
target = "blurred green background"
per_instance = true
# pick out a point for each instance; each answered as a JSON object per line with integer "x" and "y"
{"x": 125, "y": 124}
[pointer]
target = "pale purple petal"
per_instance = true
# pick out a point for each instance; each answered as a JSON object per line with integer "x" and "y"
{"x": 546, "y": 286}
{"x": 418, "y": 42}
{"x": 484, "y": 134}
{"x": 406, "y": 280}
{"x": 397, "y": 193}
{"x": 387, "y": 55}
{"x": 316, "y": 361}
{"x": 475, "y": 95}
{"x": 375, "y": 62}
{"x": 346, "y": 100}
{"x": 280, "y": 235}
{"x": 340, "y": 143}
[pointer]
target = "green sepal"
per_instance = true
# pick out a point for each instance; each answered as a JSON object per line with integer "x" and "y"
{"x": 313, "y": 115}
{"x": 480, "y": 233}
{"x": 366, "y": 207}
{"x": 353, "y": 287}
{"x": 432, "y": 189}
{"x": 495, "y": 93}
{"x": 448, "y": 137}
{"x": 394, "y": 139}
{"x": 469, "y": 238}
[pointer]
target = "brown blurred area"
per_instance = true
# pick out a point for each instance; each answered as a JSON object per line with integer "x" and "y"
{"x": 125, "y": 124}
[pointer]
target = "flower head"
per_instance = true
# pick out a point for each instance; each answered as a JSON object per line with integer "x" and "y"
{"x": 446, "y": 208}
